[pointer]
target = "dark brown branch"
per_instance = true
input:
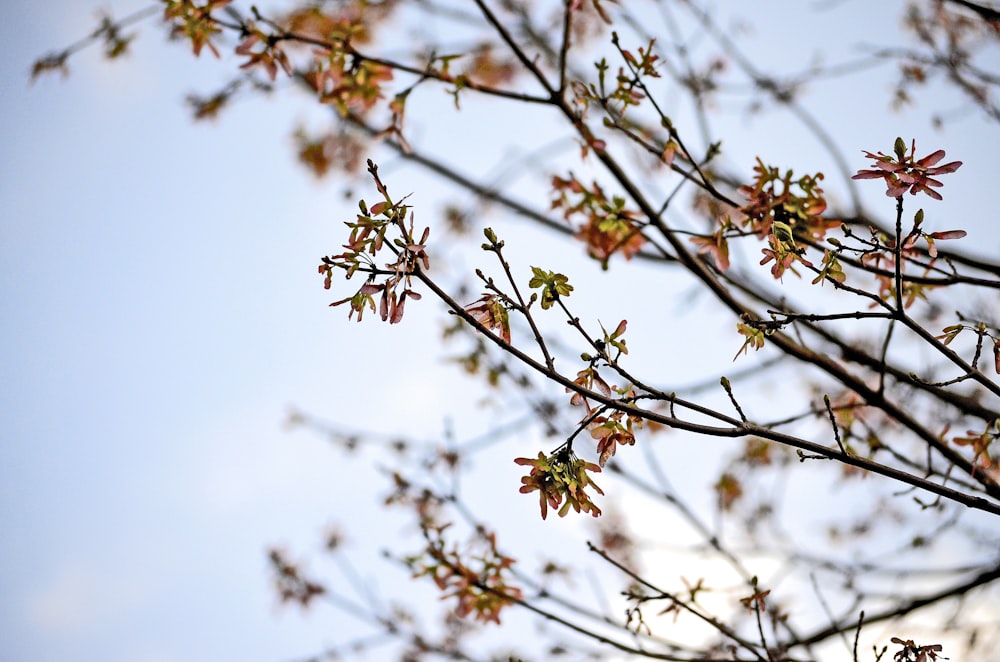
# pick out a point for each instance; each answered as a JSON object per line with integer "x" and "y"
{"x": 986, "y": 13}
{"x": 982, "y": 579}
{"x": 703, "y": 273}
{"x": 738, "y": 428}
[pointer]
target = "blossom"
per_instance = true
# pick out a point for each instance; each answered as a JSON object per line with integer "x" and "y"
{"x": 903, "y": 173}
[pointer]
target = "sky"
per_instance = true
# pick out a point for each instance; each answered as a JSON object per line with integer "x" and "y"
{"x": 161, "y": 316}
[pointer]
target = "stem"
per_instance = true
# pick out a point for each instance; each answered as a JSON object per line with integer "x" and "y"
{"x": 898, "y": 253}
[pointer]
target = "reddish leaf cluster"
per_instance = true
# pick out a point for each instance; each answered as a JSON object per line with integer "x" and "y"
{"x": 50, "y": 63}
{"x": 715, "y": 245}
{"x": 628, "y": 90}
{"x": 951, "y": 332}
{"x": 589, "y": 379}
{"x": 350, "y": 21}
{"x": 208, "y": 107}
{"x": 558, "y": 477}
{"x": 339, "y": 150}
{"x": 612, "y": 431}
{"x": 911, "y": 652}
{"x": 607, "y": 227}
{"x": 194, "y": 22}
{"x": 485, "y": 68}
{"x": 757, "y": 600}
{"x": 980, "y": 443}
{"x": 367, "y": 239}
{"x": 728, "y": 489}
{"x": 109, "y": 32}
{"x": 478, "y": 581}
{"x": 779, "y": 207}
{"x": 797, "y": 202}
{"x": 346, "y": 81}
{"x": 783, "y": 253}
{"x": 291, "y": 585}
{"x": 490, "y": 311}
{"x": 903, "y": 172}
{"x": 645, "y": 64}
{"x": 115, "y": 43}
{"x": 269, "y": 53}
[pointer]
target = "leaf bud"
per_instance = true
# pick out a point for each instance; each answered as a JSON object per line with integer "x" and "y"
{"x": 900, "y": 149}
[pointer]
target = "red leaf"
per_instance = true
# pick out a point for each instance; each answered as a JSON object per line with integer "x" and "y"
{"x": 931, "y": 158}
{"x": 397, "y": 312}
{"x": 949, "y": 234}
{"x": 383, "y": 307}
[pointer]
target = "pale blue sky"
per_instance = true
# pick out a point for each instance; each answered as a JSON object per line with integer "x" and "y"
{"x": 160, "y": 315}
{"x": 160, "y": 312}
